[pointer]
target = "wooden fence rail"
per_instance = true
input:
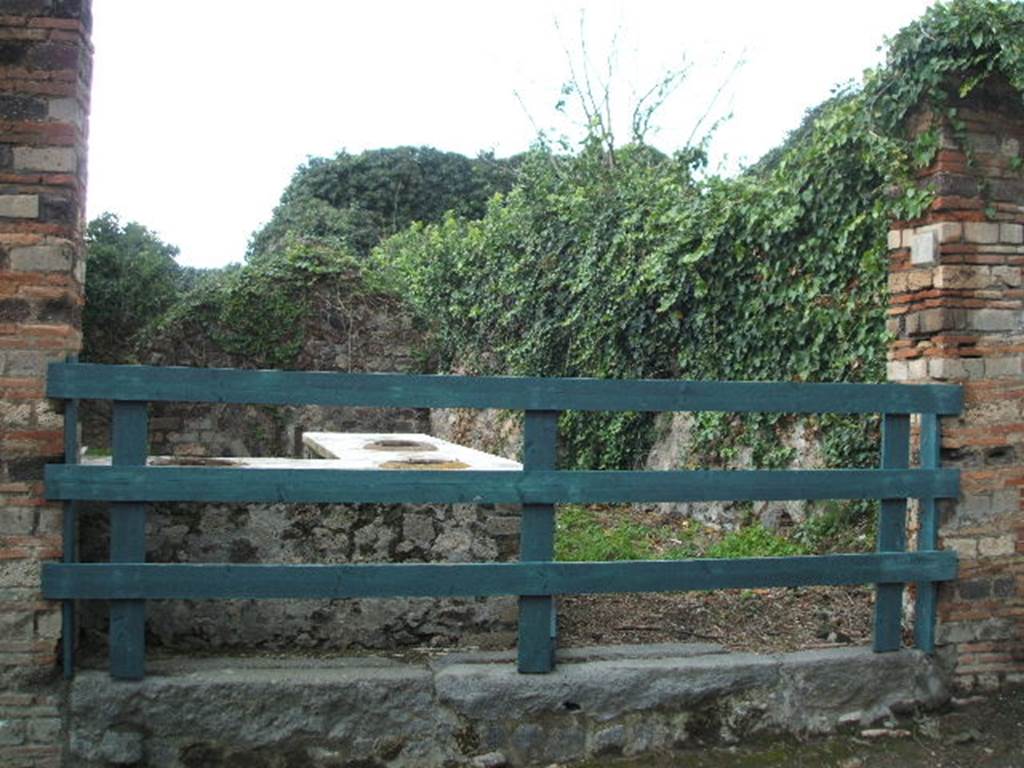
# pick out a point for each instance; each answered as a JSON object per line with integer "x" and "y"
{"x": 128, "y": 485}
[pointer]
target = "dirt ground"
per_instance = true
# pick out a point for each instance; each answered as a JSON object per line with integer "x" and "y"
{"x": 977, "y": 732}
{"x": 762, "y": 620}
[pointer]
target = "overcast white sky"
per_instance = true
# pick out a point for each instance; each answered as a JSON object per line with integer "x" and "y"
{"x": 202, "y": 110}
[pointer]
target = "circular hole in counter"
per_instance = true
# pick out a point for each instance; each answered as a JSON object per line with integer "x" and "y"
{"x": 423, "y": 462}
{"x": 397, "y": 445}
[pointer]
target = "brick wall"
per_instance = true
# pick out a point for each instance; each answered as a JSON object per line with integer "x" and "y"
{"x": 956, "y": 312}
{"x": 45, "y": 60}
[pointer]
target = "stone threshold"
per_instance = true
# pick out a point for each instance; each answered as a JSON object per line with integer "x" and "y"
{"x": 456, "y": 709}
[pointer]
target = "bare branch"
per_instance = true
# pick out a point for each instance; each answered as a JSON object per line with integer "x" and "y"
{"x": 740, "y": 61}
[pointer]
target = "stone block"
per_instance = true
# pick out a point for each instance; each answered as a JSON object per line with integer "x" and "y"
{"x": 1012, "y": 234}
{"x": 21, "y": 107}
{"x": 954, "y": 184}
{"x": 16, "y": 414}
{"x": 19, "y": 206}
{"x": 1007, "y": 189}
{"x": 42, "y": 258}
{"x": 53, "y": 56}
{"x": 924, "y": 248}
{"x": 965, "y": 548}
{"x": 1008, "y": 276}
{"x": 981, "y": 232}
{"x": 897, "y": 370}
{"x": 65, "y": 110}
{"x": 996, "y": 546}
{"x": 893, "y": 239}
{"x": 974, "y": 631}
{"x": 993, "y": 319}
{"x": 919, "y": 279}
{"x": 500, "y": 525}
{"x": 17, "y": 521}
{"x": 973, "y": 506}
{"x": 455, "y": 714}
{"x": 50, "y": 159}
{"x": 22, "y": 363}
{"x": 43, "y": 730}
{"x": 12, "y": 732}
{"x": 983, "y": 142}
{"x": 15, "y": 625}
{"x": 48, "y": 623}
{"x": 964, "y": 277}
{"x": 58, "y": 209}
{"x": 14, "y": 310}
{"x": 933, "y": 320}
{"x": 947, "y": 368}
{"x": 948, "y": 231}
{"x": 1002, "y": 367}
{"x": 1005, "y": 587}
{"x": 917, "y": 369}
{"x": 974, "y": 590}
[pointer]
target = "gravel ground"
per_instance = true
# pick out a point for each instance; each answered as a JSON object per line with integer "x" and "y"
{"x": 762, "y": 620}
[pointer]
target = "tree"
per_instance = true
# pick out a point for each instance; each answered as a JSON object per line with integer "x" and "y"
{"x": 133, "y": 278}
{"x": 355, "y": 201}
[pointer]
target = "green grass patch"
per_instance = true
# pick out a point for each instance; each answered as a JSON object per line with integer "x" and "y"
{"x": 604, "y": 533}
{"x": 755, "y": 541}
{"x": 581, "y": 535}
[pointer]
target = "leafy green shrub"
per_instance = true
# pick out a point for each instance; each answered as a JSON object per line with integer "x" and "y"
{"x": 627, "y": 263}
{"x": 133, "y": 278}
{"x": 353, "y": 201}
{"x": 260, "y": 312}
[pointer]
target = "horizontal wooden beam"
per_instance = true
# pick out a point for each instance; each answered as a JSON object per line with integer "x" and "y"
{"x": 152, "y": 484}
{"x": 118, "y": 581}
{"x": 385, "y": 390}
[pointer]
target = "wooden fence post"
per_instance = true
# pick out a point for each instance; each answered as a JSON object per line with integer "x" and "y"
{"x": 128, "y": 543}
{"x": 537, "y": 618}
{"x": 892, "y": 532}
{"x": 69, "y": 535}
{"x": 927, "y": 536}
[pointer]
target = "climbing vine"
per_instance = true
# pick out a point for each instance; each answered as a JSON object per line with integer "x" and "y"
{"x": 260, "y": 313}
{"x": 647, "y": 267}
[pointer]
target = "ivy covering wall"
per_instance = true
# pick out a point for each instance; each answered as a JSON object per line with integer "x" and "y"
{"x": 631, "y": 263}
{"x": 621, "y": 262}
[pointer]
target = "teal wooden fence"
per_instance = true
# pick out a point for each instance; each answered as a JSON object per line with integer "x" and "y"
{"x": 127, "y": 581}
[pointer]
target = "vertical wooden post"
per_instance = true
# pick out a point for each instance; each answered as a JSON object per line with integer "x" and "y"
{"x": 128, "y": 543}
{"x": 69, "y": 534}
{"x": 927, "y": 537}
{"x": 892, "y": 533}
{"x": 537, "y": 620}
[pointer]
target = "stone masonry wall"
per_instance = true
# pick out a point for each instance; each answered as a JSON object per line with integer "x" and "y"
{"x": 362, "y": 333}
{"x": 957, "y": 312}
{"x": 319, "y": 534}
{"x": 45, "y": 63}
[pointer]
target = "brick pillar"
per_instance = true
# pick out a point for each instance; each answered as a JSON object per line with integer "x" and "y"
{"x": 956, "y": 312}
{"x": 45, "y": 62}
